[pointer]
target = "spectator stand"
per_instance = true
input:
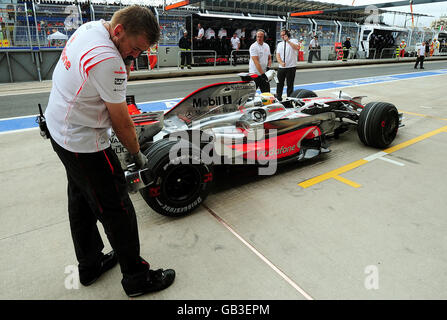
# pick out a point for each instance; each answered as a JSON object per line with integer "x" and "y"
{"x": 301, "y": 28}
{"x": 172, "y": 24}
{"x": 327, "y": 32}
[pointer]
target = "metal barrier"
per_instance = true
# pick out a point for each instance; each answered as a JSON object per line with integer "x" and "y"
{"x": 443, "y": 51}
{"x": 231, "y": 53}
{"x": 146, "y": 54}
{"x": 369, "y": 53}
{"x": 393, "y": 54}
{"x": 27, "y": 64}
{"x": 191, "y": 51}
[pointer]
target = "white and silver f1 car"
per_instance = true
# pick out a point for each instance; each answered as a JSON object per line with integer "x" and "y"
{"x": 229, "y": 123}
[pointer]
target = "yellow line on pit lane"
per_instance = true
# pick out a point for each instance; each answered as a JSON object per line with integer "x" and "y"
{"x": 335, "y": 173}
{"x": 422, "y": 115}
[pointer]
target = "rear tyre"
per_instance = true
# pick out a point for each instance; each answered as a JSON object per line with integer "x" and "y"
{"x": 303, "y": 93}
{"x": 181, "y": 180}
{"x": 378, "y": 124}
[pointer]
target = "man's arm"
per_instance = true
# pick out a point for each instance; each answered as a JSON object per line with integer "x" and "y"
{"x": 278, "y": 58}
{"x": 123, "y": 126}
{"x": 295, "y": 46}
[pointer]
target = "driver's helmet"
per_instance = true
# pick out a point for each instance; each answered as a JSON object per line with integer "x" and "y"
{"x": 267, "y": 98}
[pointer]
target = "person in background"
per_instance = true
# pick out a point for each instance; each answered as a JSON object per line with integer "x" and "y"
{"x": 222, "y": 33}
{"x": 436, "y": 45}
{"x": 235, "y": 45}
{"x": 346, "y": 48}
{"x": 402, "y": 47}
{"x": 200, "y": 37}
{"x": 427, "y": 48}
{"x": 313, "y": 47}
{"x": 185, "y": 48}
{"x": 301, "y": 50}
{"x": 420, "y": 55}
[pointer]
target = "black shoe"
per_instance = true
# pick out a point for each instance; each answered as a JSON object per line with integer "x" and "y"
{"x": 189, "y": 67}
{"x": 89, "y": 276}
{"x": 181, "y": 68}
{"x": 148, "y": 281}
{"x": 422, "y": 68}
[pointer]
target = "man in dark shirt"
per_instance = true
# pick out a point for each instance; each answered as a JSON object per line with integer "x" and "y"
{"x": 346, "y": 47}
{"x": 185, "y": 48}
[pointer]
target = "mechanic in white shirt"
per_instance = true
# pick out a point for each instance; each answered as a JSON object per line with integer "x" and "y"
{"x": 199, "y": 39}
{"x": 201, "y": 32}
{"x": 287, "y": 56}
{"x": 260, "y": 61}
{"x": 209, "y": 33}
{"x": 87, "y": 100}
{"x": 253, "y": 34}
{"x": 222, "y": 33}
{"x": 420, "y": 55}
{"x": 235, "y": 45}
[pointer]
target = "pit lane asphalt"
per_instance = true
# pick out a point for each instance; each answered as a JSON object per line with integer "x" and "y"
{"x": 161, "y": 89}
{"x": 259, "y": 237}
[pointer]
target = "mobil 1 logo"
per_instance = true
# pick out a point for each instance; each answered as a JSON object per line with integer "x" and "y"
{"x": 211, "y": 101}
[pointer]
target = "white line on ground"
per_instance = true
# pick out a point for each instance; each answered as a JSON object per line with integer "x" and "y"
{"x": 375, "y": 156}
{"x": 392, "y": 161}
{"x": 260, "y": 255}
{"x": 20, "y": 130}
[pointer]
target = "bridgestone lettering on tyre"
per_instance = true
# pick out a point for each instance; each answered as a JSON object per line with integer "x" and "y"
{"x": 303, "y": 93}
{"x": 378, "y": 124}
{"x": 181, "y": 182}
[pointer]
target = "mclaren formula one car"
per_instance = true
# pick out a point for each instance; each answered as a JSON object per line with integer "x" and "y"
{"x": 229, "y": 123}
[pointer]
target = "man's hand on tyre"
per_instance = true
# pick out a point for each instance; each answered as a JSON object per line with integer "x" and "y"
{"x": 140, "y": 160}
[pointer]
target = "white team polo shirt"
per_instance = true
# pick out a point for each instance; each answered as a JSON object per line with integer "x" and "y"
{"x": 201, "y": 33}
{"x": 291, "y": 58}
{"x": 222, "y": 33}
{"x": 261, "y": 51}
{"x": 89, "y": 72}
{"x": 235, "y": 43}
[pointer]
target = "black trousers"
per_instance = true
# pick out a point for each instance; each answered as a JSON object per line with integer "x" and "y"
{"x": 312, "y": 52}
{"x": 283, "y": 74}
{"x": 262, "y": 84}
{"x": 97, "y": 190}
{"x": 421, "y": 60}
{"x": 185, "y": 57}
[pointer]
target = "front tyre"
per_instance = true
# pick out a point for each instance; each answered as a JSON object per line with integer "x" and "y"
{"x": 378, "y": 124}
{"x": 181, "y": 180}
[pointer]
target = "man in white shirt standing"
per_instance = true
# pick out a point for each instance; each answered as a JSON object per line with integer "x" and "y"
{"x": 287, "y": 56}
{"x": 87, "y": 100}
{"x": 200, "y": 37}
{"x": 260, "y": 61}
{"x": 420, "y": 55}
{"x": 313, "y": 48}
{"x": 235, "y": 45}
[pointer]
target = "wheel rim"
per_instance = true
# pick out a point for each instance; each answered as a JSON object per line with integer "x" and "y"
{"x": 389, "y": 126}
{"x": 182, "y": 183}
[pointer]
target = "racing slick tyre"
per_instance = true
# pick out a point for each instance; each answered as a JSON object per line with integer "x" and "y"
{"x": 181, "y": 181}
{"x": 303, "y": 93}
{"x": 378, "y": 124}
